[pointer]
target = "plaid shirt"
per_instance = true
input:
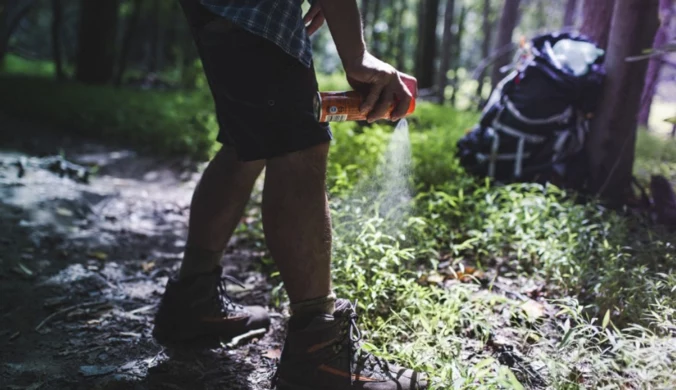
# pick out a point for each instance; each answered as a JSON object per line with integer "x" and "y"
{"x": 280, "y": 21}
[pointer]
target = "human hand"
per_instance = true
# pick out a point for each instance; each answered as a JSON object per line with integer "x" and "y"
{"x": 314, "y": 19}
{"x": 382, "y": 85}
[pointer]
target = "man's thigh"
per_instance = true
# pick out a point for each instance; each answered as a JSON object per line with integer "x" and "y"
{"x": 264, "y": 98}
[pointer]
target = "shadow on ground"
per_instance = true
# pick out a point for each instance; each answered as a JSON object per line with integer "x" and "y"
{"x": 82, "y": 267}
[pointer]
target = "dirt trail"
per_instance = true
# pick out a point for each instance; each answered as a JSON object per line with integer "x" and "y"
{"x": 82, "y": 267}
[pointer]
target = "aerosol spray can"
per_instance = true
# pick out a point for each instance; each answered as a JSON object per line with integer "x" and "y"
{"x": 344, "y": 106}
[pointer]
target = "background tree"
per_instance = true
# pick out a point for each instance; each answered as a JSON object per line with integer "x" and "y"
{"x": 97, "y": 41}
{"x": 502, "y": 51}
{"x": 667, "y": 15}
{"x": 613, "y": 134}
{"x": 11, "y": 13}
{"x": 446, "y": 50}
{"x": 128, "y": 39}
{"x": 570, "y": 13}
{"x": 597, "y": 15}
{"x": 427, "y": 43}
{"x": 57, "y": 26}
{"x": 487, "y": 32}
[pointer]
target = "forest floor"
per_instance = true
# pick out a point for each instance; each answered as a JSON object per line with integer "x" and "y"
{"x": 82, "y": 268}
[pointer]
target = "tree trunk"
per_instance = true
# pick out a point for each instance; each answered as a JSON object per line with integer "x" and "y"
{"x": 485, "y": 48}
{"x": 154, "y": 36}
{"x": 130, "y": 32}
{"x": 597, "y": 15}
{"x": 457, "y": 50}
{"x": 541, "y": 15}
{"x": 613, "y": 135}
{"x": 394, "y": 27}
{"x": 365, "y": 11}
{"x": 57, "y": 23}
{"x": 508, "y": 22}
{"x": 569, "y": 15}
{"x": 96, "y": 41}
{"x": 401, "y": 39}
{"x": 10, "y": 16}
{"x": 375, "y": 35}
{"x": 427, "y": 43}
{"x": 446, "y": 50}
{"x": 655, "y": 66}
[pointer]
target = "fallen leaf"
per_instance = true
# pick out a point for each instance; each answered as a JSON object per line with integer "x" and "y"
{"x": 148, "y": 266}
{"x": 98, "y": 255}
{"x": 273, "y": 354}
{"x": 63, "y": 212}
{"x": 534, "y": 310}
{"x": 435, "y": 279}
{"x": 23, "y": 270}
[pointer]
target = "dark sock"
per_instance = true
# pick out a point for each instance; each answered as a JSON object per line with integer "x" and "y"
{"x": 302, "y": 313}
{"x": 198, "y": 261}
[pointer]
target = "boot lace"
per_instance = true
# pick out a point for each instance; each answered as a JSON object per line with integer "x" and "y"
{"x": 224, "y": 300}
{"x": 351, "y": 338}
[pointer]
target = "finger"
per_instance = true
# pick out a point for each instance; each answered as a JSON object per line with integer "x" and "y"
{"x": 402, "y": 104}
{"x": 383, "y": 105}
{"x": 372, "y": 98}
{"x": 311, "y": 13}
{"x": 316, "y": 24}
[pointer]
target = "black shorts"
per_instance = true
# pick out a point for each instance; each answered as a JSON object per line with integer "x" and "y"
{"x": 264, "y": 97}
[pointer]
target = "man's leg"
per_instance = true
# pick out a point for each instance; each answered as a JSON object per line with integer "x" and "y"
{"x": 297, "y": 228}
{"x": 195, "y": 306}
{"x": 217, "y": 207}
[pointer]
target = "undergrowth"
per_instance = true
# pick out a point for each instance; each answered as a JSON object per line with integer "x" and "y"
{"x": 601, "y": 316}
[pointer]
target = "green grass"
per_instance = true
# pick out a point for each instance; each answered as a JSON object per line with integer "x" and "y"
{"x": 611, "y": 294}
{"x": 603, "y": 281}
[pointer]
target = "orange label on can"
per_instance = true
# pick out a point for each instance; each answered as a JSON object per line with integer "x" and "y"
{"x": 340, "y": 107}
{"x": 344, "y": 106}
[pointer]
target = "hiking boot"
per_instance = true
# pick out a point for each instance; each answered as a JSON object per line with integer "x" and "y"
{"x": 198, "y": 311}
{"x": 326, "y": 355}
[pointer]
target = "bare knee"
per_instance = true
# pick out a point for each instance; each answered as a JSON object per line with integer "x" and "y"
{"x": 227, "y": 158}
{"x": 310, "y": 163}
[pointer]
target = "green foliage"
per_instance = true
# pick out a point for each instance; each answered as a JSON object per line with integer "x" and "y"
{"x": 609, "y": 282}
{"x": 176, "y": 123}
{"x": 16, "y": 65}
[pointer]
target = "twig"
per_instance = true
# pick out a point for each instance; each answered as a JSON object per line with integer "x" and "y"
{"x": 66, "y": 310}
{"x": 488, "y": 61}
{"x": 237, "y": 340}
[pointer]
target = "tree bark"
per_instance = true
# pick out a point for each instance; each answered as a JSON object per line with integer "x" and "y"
{"x": 365, "y": 11}
{"x": 569, "y": 15}
{"x": 655, "y": 66}
{"x": 130, "y": 32}
{"x": 57, "y": 23}
{"x": 401, "y": 38}
{"x": 508, "y": 22}
{"x": 613, "y": 135}
{"x": 427, "y": 43}
{"x": 485, "y": 49}
{"x": 10, "y": 16}
{"x": 597, "y": 15}
{"x": 446, "y": 50}
{"x": 375, "y": 35}
{"x": 541, "y": 15}
{"x": 96, "y": 41}
{"x": 457, "y": 49}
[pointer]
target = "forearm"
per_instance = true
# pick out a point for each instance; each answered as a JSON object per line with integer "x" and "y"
{"x": 344, "y": 21}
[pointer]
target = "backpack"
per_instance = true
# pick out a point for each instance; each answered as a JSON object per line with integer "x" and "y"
{"x": 535, "y": 123}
